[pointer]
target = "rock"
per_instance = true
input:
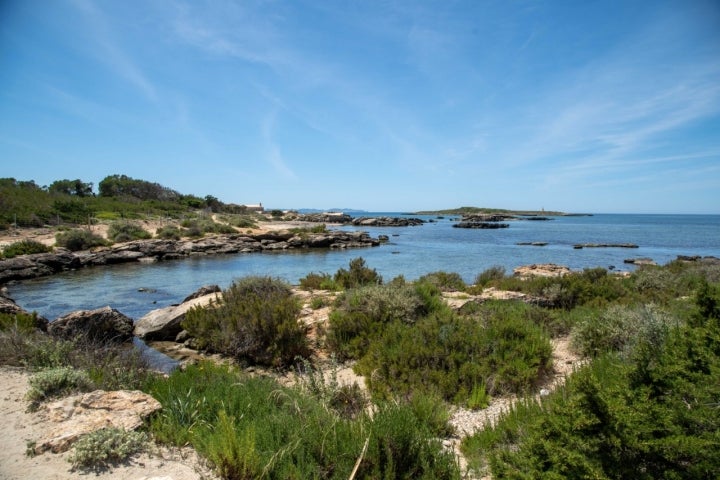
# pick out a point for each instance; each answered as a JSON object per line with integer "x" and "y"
{"x": 604, "y": 245}
{"x": 102, "y": 324}
{"x": 164, "y": 323}
{"x": 82, "y": 414}
{"x": 202, "y": 291}
{"x": 387, "y": 221}
{"x": 640, "y": 261}
{"x": 480, "y": 225}
{"x": 533, "y": 244}
{"x": 541, "y": 270}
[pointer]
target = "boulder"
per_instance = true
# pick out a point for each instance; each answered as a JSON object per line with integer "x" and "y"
{"x": 541, "y": 270}
{"x": 202, "y": 291}
{"x": 102, "y": 324}
{"x": 164, "y": 323}
{"x": 640, "y": 261}
{"x": 79, "y": 415}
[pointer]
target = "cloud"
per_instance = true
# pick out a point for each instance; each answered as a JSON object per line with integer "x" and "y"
{"x": 274, "y": 154}
{"x": 111, "y": 53}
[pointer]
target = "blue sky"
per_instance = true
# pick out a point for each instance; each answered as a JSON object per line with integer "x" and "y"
{"x": 593, "y": 106}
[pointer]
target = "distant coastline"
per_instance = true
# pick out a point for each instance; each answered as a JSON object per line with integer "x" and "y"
{"x": 476, "y": 210}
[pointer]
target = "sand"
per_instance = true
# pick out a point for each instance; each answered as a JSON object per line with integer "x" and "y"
{"x": 19, "y": 427}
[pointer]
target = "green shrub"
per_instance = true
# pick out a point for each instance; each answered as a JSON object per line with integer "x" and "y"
{"x": 318, "y": 281}
{"x": 200, "y": 226}
{"x": 126, "y": 232}
{"x": 360, "y": 315}
{"x": 495, "y": 272}
{"x": 57, "y": 382}
{"x": 106, "y": 447}
{"x": 447, "y": 282}
{"x": 24, "y": 323}
{"x": 24, "y": 247}
{"x": 479, "y": 398}
{"x": 348, "y": 401}
{"x": 452, "y": 354}
{"x": 620, "y": 328}
{"x": 357, "y": 276}
{"x": 76, "y": 240}
{"x": 169, "y": 232}
{"x": 256, "y": 320}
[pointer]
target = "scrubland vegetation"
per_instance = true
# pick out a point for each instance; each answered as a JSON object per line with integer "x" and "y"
{"x": 644, "y": 405}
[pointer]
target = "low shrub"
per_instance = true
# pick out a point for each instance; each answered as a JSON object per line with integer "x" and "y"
{"x": 23, "y": 323}
{"x": 57, "y": 382}
{"x": 360, "y": 315}
{"x": 318, "y": 281}
{"x": 106, "y": 447}
{"x": 79, "y": 239}
{"x": 488, "y": 275}
{"x": 447, "y": 282}
{"x": 200, "y": 226}
{"x": 453, "y": 354}
{"x": 169, "y": 232}
{"x": 256, "y": 320}
{"x": 24, "y": 247}
{"x": 619, "y": 328}
{"x": 358, "y": 275}
{"x": 126, "y": 232}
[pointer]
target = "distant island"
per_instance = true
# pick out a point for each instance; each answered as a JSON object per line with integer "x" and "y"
{"x": 479, "y": 210}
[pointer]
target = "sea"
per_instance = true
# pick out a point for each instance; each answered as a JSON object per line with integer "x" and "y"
{"x": 412, "y": 252}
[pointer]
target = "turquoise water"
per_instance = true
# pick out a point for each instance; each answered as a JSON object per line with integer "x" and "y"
{"x": 412, "y": 252}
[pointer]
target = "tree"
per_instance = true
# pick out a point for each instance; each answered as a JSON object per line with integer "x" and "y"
{"x": 75, "y": 187}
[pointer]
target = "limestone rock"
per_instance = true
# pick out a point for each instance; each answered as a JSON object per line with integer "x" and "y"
{"x": 541, "y": 270}
{"x": 82, "y": 414}
{"x": 103, "y": 324}
{"x": 164, "y": 323}
{"x": 202, "y": 291}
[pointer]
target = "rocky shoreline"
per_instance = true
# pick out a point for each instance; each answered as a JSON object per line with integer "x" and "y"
{"x": 43, "y": 264}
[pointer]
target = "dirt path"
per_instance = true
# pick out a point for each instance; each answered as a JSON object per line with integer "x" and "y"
{"x": 19, "y": 427}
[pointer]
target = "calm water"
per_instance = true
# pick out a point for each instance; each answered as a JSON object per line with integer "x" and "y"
{"x": 412, "y": 252}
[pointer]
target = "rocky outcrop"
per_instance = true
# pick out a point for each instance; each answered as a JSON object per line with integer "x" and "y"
{"x": 541, "y": 270}
{"x": 164, "y": 324}
{"x": 42, "y": 264}
{"x": 202, "y": 291}
{"x": 640, "y": 261}
{"x": 487, "y": 217}
{"x": 532, "y": 244}
{"x": 102, "y": 324}
{"x": 481, "y": 225}
{"x": 604, "y": 245}
{"x": 387, "y": 222}
{"x": 325, "y": 217}
{"x": 79, "y": 415}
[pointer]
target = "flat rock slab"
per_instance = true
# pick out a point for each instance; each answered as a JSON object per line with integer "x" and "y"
{"x": 79, "y": 415}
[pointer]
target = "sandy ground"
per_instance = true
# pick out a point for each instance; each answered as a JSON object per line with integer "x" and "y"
{"x": 19, "y": 427}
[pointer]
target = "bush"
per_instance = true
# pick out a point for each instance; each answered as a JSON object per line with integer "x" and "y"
{"x": 256, "y": 320}
{"x": 620, "y": 328}
{"x": 495, "y": 272}
{"x": 253, "y": 428}
{"x": 126, "y": 232}
{"x": 24, "y": 323}
{"x": 57, "y": 382}
{"x": 24, "y": 247}
{"x": 360, "y": 315}
{"x": 318, "y": 281}
{"x": 447, "y": 282}
{"x": 168, "y": 232}
{"x": 76, "y": 240}
{"x": 358, "y": 276}
{"x": 105, "y": 447}
{"x": 452, "y": 355}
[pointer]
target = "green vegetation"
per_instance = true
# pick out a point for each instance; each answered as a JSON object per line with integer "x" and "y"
{"x": 318, "y": 281}
{"x": 447, "y": 282}
{"x": 79, "y": 239}
{"x": 24, "y": 247}
{"x": 24, "y": 323}
{"x": 250, "y": 427}
{"x": 256, "y": 320}
{"x": 126, "y": 231}
{"x": 56, "y": 382}
{"x": 357, "y": 276}
{"x": 105, "y": 447}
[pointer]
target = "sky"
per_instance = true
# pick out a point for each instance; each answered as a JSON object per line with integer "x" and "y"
{"x": 383, "y": 105}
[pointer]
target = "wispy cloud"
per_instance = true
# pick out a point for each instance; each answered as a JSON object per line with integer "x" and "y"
{"x": 111, "y": 53}
{"x": 274, "y": 154}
